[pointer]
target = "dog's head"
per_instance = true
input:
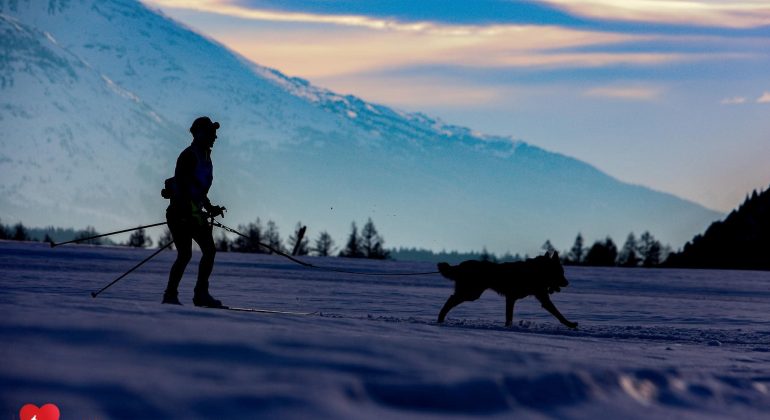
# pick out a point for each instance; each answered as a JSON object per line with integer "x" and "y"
{"x": 552, "y": 272}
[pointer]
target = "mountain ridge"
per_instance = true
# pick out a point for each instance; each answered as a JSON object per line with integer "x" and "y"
{"x": 288, "y": 150}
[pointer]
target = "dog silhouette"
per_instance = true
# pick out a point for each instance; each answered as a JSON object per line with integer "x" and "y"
{"x": 538, "y": 277}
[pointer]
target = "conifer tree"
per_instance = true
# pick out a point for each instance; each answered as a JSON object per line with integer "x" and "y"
{"x": 628, "y": 256}
{"x": 353, "y": 246}
{"x": 139, "y": 239}
{"x": 253, "y": 237}
{"x": 576, "y": 254}
{"x": 372, "y": 244}
{"x": 324, "y": 245}
{"x": 273, "y": 238}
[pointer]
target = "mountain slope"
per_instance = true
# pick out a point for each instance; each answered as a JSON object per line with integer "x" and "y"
{"x": 287, "y": 151}
{"x": 53, "y": 101}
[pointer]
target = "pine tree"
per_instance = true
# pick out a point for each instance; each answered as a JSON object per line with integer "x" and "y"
{"x": 650, "y": 250}
{"x": 576, "y": 254}
{"x": 20, "y": 233}
{"x": 139, "y": 239}
{"x": 353, "y": 246}
{"x": 273, "y": 238}
{"x": 487, "y": 256}
{"x": 88, "y": 232}
{"x": 250, "y": 243}
{"x": 628, "y": 254}
{"x": 602, "y": 254}
{"x": 548, "y": 247}
{"x": 324, "y": 245}
{"x": 372, "y": 244}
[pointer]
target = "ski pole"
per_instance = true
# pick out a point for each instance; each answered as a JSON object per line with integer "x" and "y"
{"x": 268, "y": 247}
{"x": 95, "y": 294}
{"x": 53, "y": 244}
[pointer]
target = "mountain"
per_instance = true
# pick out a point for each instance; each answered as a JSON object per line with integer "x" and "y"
{"x": 740, "y": 241}
{"x": 97, "y": 97}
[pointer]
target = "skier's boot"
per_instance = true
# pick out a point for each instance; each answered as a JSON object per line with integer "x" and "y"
{"x": 205, "y": 299}
{"x": 171, "y": 298}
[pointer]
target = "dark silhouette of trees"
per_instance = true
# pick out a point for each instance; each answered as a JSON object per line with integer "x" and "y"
{"x": 628, "y": 256}
{"x": 487, "y": 256}
{"x": 353, "y": 246}
{"x": 165, "y": 239}
{"x": 372, "y": 244}
{"x": 4, "y": 234}
{"x": 603, "y": 254}
{"x": 324, "y": 245}
{"x": 548, "y": 246}
{"x": 20, "y": 233}
{"x": 89, "y": 232}
{"x": 367, "y": 244}
{"x": 222, "y": 243}
{"x": 139, "y": 239}
{"x": 650, "y": 250}
{"x": 577, "y": 252}
{"x": 254, "y": 236}
{"x": 740, "y": 241}
{"x": 273, "y": 238}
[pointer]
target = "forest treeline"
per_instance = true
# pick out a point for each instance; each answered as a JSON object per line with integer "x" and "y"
{"x": 365, "y": 242}
{"x": 738, "y": 242}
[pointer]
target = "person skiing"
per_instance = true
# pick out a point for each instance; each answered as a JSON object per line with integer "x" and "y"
{"x": 189, "y": 211}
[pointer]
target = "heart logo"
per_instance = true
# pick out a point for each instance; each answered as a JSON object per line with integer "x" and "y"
{"x": 46, "y": 412}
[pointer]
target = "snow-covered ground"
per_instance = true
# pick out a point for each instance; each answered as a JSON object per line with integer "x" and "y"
{"x": 651, "y": 343}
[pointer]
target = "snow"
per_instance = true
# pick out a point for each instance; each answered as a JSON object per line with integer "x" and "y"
{"x": 651, "y": 343}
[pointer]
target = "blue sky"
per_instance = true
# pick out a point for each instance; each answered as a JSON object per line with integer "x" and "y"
{"x": 670, "y": 94}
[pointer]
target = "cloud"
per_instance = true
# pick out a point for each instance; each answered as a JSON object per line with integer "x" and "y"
{"x": 764, "y": 99}
{"x": 630, "y": 93}
{"x": 724, "y": 14}
{"x": 735, "y": 100}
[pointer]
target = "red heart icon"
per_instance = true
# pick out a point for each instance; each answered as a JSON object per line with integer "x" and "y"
{"x": 46, "y": 412}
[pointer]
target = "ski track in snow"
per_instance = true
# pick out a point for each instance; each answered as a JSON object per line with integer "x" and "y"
{"x": 651, "y": 343}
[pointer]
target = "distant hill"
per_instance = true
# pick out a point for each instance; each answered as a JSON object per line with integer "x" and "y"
{"x": 741, "y": 241}
{"x": 96, "y": 97}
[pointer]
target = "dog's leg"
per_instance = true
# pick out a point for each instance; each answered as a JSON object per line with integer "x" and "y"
{"x": 550, "y": 307}
{"x": 509, "y": 301}
{"x": 450, "y": 303}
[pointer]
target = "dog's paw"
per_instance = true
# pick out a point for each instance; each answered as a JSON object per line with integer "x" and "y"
{"x": 572, "y": 325}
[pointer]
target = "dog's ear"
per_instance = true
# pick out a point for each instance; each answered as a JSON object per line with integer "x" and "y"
{"x": 555, "y": 255}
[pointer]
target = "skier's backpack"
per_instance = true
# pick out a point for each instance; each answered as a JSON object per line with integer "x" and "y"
{"x": 171, "y": 190}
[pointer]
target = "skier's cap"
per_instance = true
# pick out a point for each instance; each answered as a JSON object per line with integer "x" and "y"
{"x": 203, "y": 124}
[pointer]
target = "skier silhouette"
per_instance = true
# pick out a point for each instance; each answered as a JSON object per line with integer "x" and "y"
{"x": 189, "y": 211}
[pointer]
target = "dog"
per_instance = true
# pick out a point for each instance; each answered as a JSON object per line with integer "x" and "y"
{"x": 538, "y": 276}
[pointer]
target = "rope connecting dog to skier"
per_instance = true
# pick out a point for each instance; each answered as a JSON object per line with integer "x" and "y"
{"x": 191, "y": 216}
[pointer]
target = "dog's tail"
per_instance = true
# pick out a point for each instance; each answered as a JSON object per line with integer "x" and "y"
{"x": 445, "y": 269}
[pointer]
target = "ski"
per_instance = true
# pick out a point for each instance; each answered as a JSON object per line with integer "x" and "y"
{"x": 261, "y": 311}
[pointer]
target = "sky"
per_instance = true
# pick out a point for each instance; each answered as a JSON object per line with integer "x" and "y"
{"x": 670, "y": 94}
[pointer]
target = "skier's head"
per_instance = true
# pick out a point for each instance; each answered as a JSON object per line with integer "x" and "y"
{"x": 204, "y": 130}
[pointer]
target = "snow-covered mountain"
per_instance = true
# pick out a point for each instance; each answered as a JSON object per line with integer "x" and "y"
{"x": 96, "y": 98}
